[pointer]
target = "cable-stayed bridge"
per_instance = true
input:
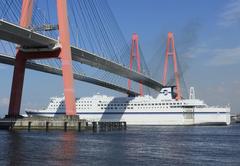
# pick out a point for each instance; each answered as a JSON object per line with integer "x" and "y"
{"x": 34, "y": 46}
{"x": 9, "y": 60}
{"x": 32, "y": 41}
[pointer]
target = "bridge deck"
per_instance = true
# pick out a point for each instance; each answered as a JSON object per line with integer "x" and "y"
{"x": 29, "y": 39}
{"x": 5, "y": 59}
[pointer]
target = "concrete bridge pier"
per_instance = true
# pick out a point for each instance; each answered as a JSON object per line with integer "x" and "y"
{"x": 64, "y": 53}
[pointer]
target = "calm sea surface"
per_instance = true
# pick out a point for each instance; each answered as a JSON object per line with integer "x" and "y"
{"x": 195, "y": 145}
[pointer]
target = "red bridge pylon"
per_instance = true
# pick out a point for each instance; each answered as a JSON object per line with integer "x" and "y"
{"x": 64, "y": 53}
{"x": 135, "y": 53}
{"x": 171, "y": 51}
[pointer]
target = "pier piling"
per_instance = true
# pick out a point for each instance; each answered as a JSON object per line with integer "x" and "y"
{"x": 94, "y": 126}
{"x": 29, "y": 125}
{"x": 47, "y": 125}
{"x": 65, "y": 126}
{"x": 79, "y": 126}
{"x": 58, "y": 123}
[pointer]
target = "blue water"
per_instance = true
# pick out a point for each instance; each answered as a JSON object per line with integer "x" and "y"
{"x": 196, "y": 145}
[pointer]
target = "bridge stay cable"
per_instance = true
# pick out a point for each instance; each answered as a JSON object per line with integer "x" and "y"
{"x": 106, "y": 28}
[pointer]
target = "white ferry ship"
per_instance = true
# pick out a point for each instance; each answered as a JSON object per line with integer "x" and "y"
{"x": 142, "y": 110}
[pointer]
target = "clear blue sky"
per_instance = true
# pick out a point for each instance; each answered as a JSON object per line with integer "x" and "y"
{"x": 207, "y": 38}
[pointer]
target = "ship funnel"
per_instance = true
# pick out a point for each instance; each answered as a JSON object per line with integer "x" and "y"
{"x": 192, "y": 93}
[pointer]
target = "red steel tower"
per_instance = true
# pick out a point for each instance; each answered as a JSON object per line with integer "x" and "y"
{"x": 171, "y": 51}
{"x": 63, "y": 53}
{"x": 135, "y": 53}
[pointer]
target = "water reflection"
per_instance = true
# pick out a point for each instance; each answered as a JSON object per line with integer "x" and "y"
{"x": 15, "y": 148}
{"x": 135, "y": 146}
{"x": 66, "y": 149}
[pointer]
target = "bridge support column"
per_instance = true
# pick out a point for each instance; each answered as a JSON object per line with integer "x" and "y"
{"x": 64, "y": 53}
{"x": 17, "y": 85}
{"x": 135, "y": 49}
{"x": 19, "y": 68}
{"x": 66, "y": 58}
{"x": 171, "y": 51}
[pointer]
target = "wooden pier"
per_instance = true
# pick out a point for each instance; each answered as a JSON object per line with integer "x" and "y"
{"x": 64, "y": 123}
{"x": 108, "y": 126}
{"x": 44, "y": 123}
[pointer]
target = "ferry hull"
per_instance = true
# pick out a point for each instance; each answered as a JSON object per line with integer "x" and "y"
{"x": 163, "y": 119}
{"x": 141, "y": 110}
{"x": 153, "y": 118}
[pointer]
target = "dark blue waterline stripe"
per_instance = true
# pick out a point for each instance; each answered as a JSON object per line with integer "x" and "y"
{"x": 129, "y": 112}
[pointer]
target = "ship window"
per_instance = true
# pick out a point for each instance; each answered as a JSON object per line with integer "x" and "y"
{"x": 163, "y": 103}
{"x": 149, "y": 104}
{"x": 156, "y": 104}
{"x": 152, "y": 103}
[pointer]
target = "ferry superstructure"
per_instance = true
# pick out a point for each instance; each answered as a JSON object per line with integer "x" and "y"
{"x": 141, "y": 110}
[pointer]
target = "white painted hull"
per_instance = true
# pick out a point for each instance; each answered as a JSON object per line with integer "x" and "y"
{"x": 141, "y": 110}
{"x": 203, "y": 116}
{"x": 143, "y": 119}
